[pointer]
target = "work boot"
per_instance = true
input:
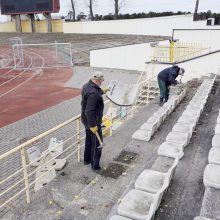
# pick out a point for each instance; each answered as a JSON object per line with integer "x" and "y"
{"x": 161, "y": 102}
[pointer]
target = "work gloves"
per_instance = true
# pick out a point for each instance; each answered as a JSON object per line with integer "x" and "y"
{"x": 94, "y": 129}
{"x": 105, "y": 90}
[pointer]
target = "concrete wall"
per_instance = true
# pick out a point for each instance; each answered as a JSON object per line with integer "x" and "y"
{"x": 146, "y": 26}
{"x": 208, "y": 38}
{"x": 130, "y": 57}
{"x": 41, "y": 26}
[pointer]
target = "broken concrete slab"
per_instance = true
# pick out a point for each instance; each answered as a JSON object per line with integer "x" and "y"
{"x": 45, "y": 176}
{"x": 55, "y": 146}
{"x": 211, "y": 176}
{"x": 170, "y": 149}
{"x": 34, "y": 156}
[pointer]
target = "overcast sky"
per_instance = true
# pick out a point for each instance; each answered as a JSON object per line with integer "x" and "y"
{"x": 135, "y": 6}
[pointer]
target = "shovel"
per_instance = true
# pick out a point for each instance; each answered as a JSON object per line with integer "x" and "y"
{"x": 99, "y": 139}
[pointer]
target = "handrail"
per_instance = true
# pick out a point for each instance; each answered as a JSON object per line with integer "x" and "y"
{"x": 41, "y": 136}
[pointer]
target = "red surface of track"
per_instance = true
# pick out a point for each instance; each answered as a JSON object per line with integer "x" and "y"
{"x": 40, "y": 92}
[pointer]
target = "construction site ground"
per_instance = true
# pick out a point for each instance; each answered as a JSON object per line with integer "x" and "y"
{"x": 78, "y": 193}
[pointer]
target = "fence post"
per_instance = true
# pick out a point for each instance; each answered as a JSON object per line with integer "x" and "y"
{"x": 78, "y": 137}
{"x": 24, "y": 164}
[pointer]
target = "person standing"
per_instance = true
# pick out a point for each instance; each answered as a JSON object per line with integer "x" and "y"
{"x": 92, "y": 107}
{"x": 166, "y": 78}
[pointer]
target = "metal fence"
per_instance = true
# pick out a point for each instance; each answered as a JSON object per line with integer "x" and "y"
{"x": 178, "y": 52}
{"x": 53, "y": 55}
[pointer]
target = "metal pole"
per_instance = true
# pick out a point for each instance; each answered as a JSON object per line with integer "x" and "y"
{"x": 24, "y": 164}
{"x": 111, "y": 120}
{"x": 78, "y": 138}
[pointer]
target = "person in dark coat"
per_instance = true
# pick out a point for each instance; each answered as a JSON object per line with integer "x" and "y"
{"x": 92, "y": 106}
{"x": 166, "y": 78}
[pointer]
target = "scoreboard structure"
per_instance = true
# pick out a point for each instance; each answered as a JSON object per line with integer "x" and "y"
{"x": 13, "y": 7}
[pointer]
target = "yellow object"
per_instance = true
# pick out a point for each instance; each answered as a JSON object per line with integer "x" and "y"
{"x": 106, "y": 124}
{"x": 172, "y": 43}
{"x": 105, "y": 90}
{"x": 41, "y": 26}
{"x": 94, "y": 129}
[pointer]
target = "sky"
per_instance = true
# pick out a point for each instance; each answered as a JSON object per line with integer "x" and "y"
{"x": 105, "y": 7}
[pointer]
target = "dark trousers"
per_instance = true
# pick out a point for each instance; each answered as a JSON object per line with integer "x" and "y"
{"x": 92, "y": 153}
{"x": 164, "y": 90}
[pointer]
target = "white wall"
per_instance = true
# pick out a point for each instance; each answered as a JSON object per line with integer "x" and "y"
{"x": 208, "y": 38}
{"x": 146, "y": 26}
{"x": 130, "y": 57}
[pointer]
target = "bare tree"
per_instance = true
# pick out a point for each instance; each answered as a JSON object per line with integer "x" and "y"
{"x": 74, "y": 12}
{"x": 91, "y": 9}
{"x": 118, "y": 5}
{"x": 195, "y": 16}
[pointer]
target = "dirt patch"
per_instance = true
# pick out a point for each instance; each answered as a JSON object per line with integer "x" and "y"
{"x": 126, "y": 157}
{"x": 114, "y": 170}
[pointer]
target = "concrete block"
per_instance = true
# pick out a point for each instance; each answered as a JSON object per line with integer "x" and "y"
{"x": 34, "y": 155}
{"x": 193, "y": 105}
{"x": 216, "y": 140}
{"x": 164, "y": 113}
{"x": 159, "y": 117}
{"x": 217, "y": 129}
{"x": 185, "y": 128}
{"x": 118, "y": 217}
{"x": 138, "y": 205}
{"x": 168, "y": 106}
{"x": 170, "y": 149}
{"x": 45, "y": 177}
{"x": 211, "y": 177}
{"x": 214, "y": 156}
{"x": 187, "y": 120}
{"x": 142, "y": 135}
{"x": 153, "y": 120}
{"x": 194, "y": 108}
{"x": 153, "y": 181}
{"x": 150, "y": 181}
{"x": 192, "y": 114}
{"x": 151, "y": 127}
{"x": 179, "y": 138}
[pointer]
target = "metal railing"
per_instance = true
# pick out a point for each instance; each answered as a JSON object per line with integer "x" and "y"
{"x": 19, "y": 181}
{"x": 178, "y": 52}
